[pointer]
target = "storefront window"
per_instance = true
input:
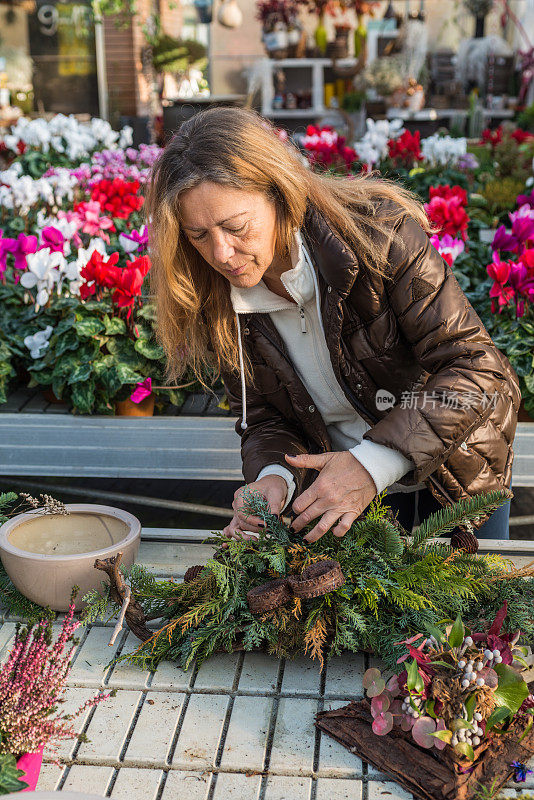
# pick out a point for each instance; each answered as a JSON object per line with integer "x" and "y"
{"x": 49, "y": 52}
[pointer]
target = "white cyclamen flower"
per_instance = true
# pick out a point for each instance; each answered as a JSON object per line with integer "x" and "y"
{"x": 128, "y": 245}
{"x": 126, "y": 137}
{"x": 38, "y": 342}
{"x": 42, "y": 274}
{"x": 374, "y": 144}
{"x": 85, "y": 253}
{"x": 443, "y": 150}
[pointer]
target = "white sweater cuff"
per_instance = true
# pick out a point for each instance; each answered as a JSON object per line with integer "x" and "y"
{"x": 278, "y": 469}
{"x": 384, "y": 464}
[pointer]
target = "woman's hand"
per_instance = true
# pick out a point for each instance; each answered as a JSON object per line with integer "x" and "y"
{"x": 273, "y": 488}
{"x": 340, "y": 493}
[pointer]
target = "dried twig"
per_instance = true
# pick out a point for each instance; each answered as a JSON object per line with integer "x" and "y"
{"x": 118, "y": 627}
{"x": 133, "y": 612}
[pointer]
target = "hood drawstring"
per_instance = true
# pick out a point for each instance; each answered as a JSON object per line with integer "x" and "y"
{"x": 242, "y": 371}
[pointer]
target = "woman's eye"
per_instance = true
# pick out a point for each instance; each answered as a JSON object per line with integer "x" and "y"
{"x": 234, "y": 231}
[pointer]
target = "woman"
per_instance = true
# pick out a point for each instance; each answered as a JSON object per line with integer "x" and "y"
{"x": 348, "y": 350}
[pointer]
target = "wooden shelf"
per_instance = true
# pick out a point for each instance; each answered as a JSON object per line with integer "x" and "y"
{"x": 296, "y": 112}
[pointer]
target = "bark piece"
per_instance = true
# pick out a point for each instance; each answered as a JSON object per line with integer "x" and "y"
{"x": 192, "y": 573}
{"x": 462, "y": 540}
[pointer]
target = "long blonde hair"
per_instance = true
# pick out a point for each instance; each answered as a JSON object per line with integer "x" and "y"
{"x": 240, "y": 149}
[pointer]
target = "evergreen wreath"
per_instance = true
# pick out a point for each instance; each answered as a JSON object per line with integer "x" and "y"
{"x": 392, "y": 586}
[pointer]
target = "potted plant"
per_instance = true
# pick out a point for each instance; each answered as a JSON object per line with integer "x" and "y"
{"x": 354, "y": 105}
{"x": 32, "y": 686}
{"x": 384, "y": 76}
{"x": 277, "y": 18}
{"x": 102, "y": 344}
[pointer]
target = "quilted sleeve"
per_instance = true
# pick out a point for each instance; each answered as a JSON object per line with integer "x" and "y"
{"x": 450, "y": 342}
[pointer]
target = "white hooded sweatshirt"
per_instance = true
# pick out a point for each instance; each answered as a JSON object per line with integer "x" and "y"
{"x": 301, "y": 328}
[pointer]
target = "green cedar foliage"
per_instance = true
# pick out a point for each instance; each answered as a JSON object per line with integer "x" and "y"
{"x": 395, "y": 586}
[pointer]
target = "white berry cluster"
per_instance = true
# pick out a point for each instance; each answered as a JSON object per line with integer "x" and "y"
{"x": 471, "y": 734}
{"x": 408, "y": 706}
{"x": 472, "y": 667}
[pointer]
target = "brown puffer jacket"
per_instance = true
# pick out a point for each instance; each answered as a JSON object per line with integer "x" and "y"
{"x": 414, "y": 334}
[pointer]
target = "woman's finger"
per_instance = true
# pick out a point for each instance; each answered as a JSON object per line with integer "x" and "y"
{"x": 344, "y": 524}
{"x": 250, "y": 523}
{"x": 315, "y": 510}
{"x": 305, "y": 499}
{"x": 323, "y": 526}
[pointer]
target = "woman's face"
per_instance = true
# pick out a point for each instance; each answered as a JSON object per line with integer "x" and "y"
{"x": 232, "y": 229}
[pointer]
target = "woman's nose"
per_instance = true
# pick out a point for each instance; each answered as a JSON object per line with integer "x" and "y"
{"x": 222, "y": 249}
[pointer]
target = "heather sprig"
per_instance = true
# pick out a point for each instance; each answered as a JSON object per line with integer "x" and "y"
{"x": 32, "y": 685}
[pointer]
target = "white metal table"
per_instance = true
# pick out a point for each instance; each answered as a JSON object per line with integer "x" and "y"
{"x": 238, "y": 728}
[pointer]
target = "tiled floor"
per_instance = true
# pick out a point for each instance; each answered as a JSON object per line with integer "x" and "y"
{"x": 238, "y": 728}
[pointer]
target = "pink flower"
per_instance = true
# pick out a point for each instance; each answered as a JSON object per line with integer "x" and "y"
{"x": 53, "y": 238}
{"x": 7, "y": 245}
{"x": 448, "y": 247}
{"x": 92, "y": 222}
{"x": 72, "y": 216}
{"x": 32, "y": 687}
{"x": 523, "y": 224}
{"x": 141, "y": 391}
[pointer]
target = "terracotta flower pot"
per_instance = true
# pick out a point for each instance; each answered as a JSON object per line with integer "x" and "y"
{"x": 127, "y": 408}
{"x": 30, "y": 763}
{"x": 50, "y": 397}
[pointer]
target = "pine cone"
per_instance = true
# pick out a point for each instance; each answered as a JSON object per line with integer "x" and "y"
{"x": 462, "y": 540}
{"x": 192, "y": 573}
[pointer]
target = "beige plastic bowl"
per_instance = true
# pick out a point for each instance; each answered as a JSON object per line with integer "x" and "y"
{"x": 46, "y": 555}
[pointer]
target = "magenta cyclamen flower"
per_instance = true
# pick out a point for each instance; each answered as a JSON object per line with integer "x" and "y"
{"x": 135, "y": 240}
{"x": 7, "y": 245}
{"x": 25, "y": 245}
{"x": 53, "y": 238}
{"x": 32, "y": 684}
{"x": 505, "y": 241}
{"x": 523, "y": 224}
{"x": 526, "y": 199}
{"x": 142, "y": 390}
{"x": 447, "y": 246}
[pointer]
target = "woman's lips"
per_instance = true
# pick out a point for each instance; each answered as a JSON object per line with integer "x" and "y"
{"x": 237, "y": 270}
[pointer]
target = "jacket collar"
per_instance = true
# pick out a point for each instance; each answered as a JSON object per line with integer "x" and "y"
{"x": 336, "y": 263}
